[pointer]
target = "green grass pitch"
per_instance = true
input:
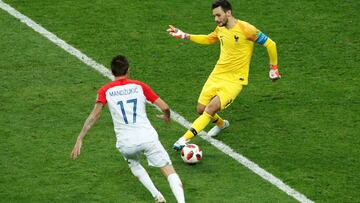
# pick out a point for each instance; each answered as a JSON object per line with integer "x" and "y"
{"x": 304, "y": 129}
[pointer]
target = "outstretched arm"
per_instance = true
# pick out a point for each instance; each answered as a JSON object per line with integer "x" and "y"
{"x": 164, "y": 108}
{"x": 90, "y": 121}
{"x": 200, "y": 39}
{"x": 203, "y": 39}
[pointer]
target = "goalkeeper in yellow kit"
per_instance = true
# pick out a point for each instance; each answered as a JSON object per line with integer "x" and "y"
{"x": 236, "y": 39}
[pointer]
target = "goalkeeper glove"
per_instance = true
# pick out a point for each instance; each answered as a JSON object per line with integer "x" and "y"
{"x": 274, "y": 73}
{"x": 173, "y": 31}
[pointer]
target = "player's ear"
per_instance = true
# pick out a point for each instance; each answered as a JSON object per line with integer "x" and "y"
{"x": 228, "y": 13}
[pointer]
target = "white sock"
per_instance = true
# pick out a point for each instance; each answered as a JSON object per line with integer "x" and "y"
{"x": 144, "y": 178}
{"x": 176, "y": 187}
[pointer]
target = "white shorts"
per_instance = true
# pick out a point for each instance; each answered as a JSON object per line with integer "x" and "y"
{"x": 155, "y": 153}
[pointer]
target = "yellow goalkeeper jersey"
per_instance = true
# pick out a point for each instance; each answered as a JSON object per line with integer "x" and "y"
{"x": 236, "y": 46}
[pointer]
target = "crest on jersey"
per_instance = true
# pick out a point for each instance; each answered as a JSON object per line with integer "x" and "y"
{"x": 236, "y": 38}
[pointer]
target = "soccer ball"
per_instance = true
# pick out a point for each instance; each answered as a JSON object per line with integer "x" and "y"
{"x": 191, "y": 153}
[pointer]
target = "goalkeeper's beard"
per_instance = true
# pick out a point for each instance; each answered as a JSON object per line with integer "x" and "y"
{"x": 223, "y": 23}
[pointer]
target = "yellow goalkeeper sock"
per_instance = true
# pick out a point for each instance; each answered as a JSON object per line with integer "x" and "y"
{"x": 218, "y": 120}
{"x": 198, "y": 125}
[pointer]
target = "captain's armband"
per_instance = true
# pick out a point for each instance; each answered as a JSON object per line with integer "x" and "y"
{"x": 261, "y": 38}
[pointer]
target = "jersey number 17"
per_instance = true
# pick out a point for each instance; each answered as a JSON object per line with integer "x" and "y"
{"x": 122, "y": 108}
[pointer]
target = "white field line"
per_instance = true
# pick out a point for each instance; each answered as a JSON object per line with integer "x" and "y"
{"x": 175, "y": 116}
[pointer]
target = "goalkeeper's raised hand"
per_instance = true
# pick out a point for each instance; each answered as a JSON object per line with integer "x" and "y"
{"x": 175, "y": 32}
{"x": 274, "y": 73}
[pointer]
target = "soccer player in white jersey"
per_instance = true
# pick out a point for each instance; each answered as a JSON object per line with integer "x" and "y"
{"x": 134, "y": 133}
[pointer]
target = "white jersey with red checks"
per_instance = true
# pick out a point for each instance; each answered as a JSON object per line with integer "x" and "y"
{"x": 127, "y": 100}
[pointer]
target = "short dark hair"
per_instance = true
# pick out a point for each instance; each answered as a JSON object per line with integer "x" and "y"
{"x": 119, "y": 65}
{"x": 224, "y": 4}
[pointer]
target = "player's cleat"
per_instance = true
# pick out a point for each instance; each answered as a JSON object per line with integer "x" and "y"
{"x": 178, "y": 145}
{"x": 160, "y": 199}
{"x": 216, "y": 130}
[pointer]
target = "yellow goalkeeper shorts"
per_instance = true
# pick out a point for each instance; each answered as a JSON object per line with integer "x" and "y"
{"x": 226, "y": 90}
